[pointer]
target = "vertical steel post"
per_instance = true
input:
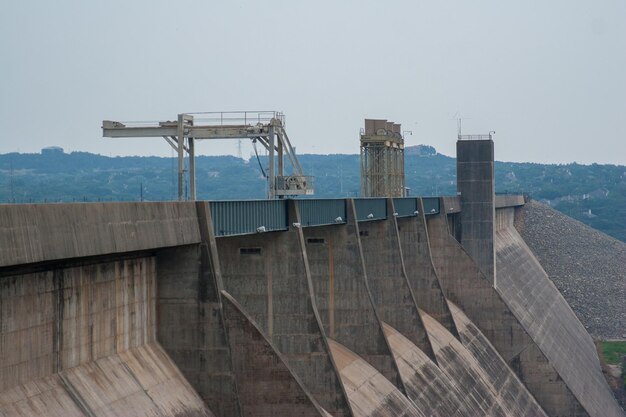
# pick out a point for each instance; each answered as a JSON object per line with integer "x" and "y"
{"x": 281, "y": 161}
{"x": 180, "y": 136}
{"x": 192, "y": 169}
{"x": 272, "y": 174}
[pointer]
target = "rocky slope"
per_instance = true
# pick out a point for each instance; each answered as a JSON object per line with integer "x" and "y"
{"x": 587, "y": 266}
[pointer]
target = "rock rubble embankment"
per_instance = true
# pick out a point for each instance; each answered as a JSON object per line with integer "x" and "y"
{"x": 587, "y": 266}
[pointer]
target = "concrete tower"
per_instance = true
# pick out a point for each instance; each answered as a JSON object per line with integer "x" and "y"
{"x": 475, "y": 183}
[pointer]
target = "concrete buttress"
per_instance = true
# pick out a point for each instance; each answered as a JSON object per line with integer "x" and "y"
{"x": 342, "y": 296}
{"x": 463, "y": 367}
{"x": 190, "y": 326}
{"x": 268, "y": 275}
{"x": 467, "y": 287}
{"x": 267, "y": 387}
{"x": 140, "y": 309}
{"x": 387, "y": 278}
{"x": 420, "y": 272}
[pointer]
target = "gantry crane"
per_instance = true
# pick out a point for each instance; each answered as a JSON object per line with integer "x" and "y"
{"x": 265, "y": 127}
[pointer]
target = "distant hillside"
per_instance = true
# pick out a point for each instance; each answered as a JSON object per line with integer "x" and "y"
{"x": 420, "y": 150}
{"x": 594, "y": 194}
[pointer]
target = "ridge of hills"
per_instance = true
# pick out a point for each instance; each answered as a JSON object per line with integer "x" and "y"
{"x": 593, "y": 194}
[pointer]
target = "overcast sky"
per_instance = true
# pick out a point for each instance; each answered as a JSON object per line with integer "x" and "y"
{"x": 548, "y": 76}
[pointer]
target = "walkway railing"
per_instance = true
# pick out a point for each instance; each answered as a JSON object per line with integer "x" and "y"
{"x": 370, "y": 209}
{"x": 225, "y": 118}
{"x": 248, "y": 216}
{"x": 317, "y": 212}
{"x": 431, "y": 205}
{"x": 231, "y": 218}
{"x": 405, "y": 207}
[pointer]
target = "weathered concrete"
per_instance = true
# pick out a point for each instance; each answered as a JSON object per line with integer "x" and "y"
{"x": 267, "y": 387}
{"x": 370, "y": 393}
{"x": 66, "y": 317}
{"x": 80, "y": 340}
{"x": 81, "y": 321}
{"x": 430, "y": 389}
{"x": 268, "y": 275}
{"x": 387, "y": 279}
{"x": 506, "y": 383}
{"x": 467, "y": 287}
{"x": 475, "y": 183}
{"x": 342, "y": 296}
{"x": 190, "y": 326}
{"x": 549, "y": 320}
{"x": 140, "y": 381}
{"x": 419, "y": 268}
{"x": 509, "y": 200}
{"x": 493, "y": 397}
{"x": 44, "y": 232}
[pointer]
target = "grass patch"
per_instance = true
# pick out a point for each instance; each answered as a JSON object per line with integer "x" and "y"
{"x": 613, "y": 352}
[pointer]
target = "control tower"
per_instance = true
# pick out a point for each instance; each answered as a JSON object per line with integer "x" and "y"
{"x": 382, "y": 159}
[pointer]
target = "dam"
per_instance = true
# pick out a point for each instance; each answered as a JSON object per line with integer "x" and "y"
{"x": 421, "y": 306}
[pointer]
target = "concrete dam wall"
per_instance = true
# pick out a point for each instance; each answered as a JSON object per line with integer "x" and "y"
{"x": 365, "y": 307}
{"x": 78, "y": 334}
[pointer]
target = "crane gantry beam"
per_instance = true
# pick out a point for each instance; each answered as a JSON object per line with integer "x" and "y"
{"x": 268, "y": 128}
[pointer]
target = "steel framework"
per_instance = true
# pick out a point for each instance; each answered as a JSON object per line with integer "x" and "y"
{"x": 265, "y": 127}
{"x": 382, "y": 159}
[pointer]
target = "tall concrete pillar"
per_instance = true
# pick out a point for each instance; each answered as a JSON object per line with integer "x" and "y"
{"x": 475, "y": 183}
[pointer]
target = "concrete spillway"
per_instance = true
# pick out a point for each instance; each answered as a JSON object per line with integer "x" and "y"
{"x": 137, "y": 381}
{"x": 81, "y": 340}
{"x": 503, "y": 380}
{"x": 494, "y": 395}
{"x": 370, "y": 393}
{"x": 429, "y": 387}
{"x": 266, "y": 385}
{"x": 141, "y": 309}
{"x": 548, "y": 319}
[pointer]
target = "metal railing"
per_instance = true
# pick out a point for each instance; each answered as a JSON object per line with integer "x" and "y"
{"x": 225, "y": 118}
{"x": 257, "y": 216}
{"x": 218, "y": 118}
{"x": 474, "y": 137}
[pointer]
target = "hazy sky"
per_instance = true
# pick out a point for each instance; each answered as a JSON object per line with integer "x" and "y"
{"x": 548, "y": 76}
